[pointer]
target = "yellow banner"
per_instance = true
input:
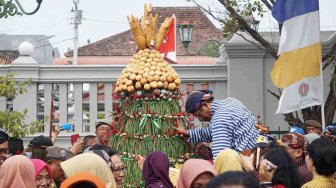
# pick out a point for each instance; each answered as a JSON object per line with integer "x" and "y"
{"x": 296, "y": 65}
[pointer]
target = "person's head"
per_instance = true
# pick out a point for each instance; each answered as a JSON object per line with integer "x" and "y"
{"x": 203, "y": 151}
{"x": 110, "y": 151}
{"x": 81, "y": 180}
{"x": 313, "y": 126}
{"x": 102, "y": 132}
{"x": 102, "y": 154}
{"x": 3, "y": 146}
{"x": 228, "y": 160}
{"x": 55, "y": 155}
{"x": 156, "y": 168}
{"x": 233, "y": 179}
{"x": 17, "y": 171}
{"x": 311, "y": 137}
{"x": 199, "y": 104}
{"x": 42, "y": 174}
{"x": 321, "y": 157}
{"x": 296, "y": 129}
{"x": 15, "y": 146}
{"x": 277, "y": 165}
{"x": 89, "y": 140}
{"x": 118, "y": 169}
{"x": 330, "y": 132}
{"x": 195, "y": 173}
{"x": 39, "y": 145}
{"x": 90, "y": 163}
{"x": 295, "y": 144}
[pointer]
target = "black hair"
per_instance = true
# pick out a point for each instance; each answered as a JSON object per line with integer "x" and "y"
{"x": 322, "y": 151}
{"x": 286, "y": 172}
{"x": 83, "y": 184}
{"x": 110, "y": 151}
{"x": 233, "y": 178}
{"x": 39, "y": 153}
{"x": 203, "y": 151}
{"x": 87, "y": 138}
{"x": 15, "y": 146}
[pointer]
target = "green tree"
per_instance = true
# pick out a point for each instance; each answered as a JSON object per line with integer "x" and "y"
{"x": 232, "y": 13}
{"x": 13, "y": 121}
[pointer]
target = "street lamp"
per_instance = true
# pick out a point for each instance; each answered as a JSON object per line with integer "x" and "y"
{"x": 255, "y": 25}
{"x": 185, "y": 31}
{"x": 8, "y": 8}
{"x": 252, "y": 22}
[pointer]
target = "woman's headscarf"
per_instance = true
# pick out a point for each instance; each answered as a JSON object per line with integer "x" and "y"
{"x": 191, "y": 169}
{"x": 83, "y": 177}
{"x": 228, "y": 160}
{"x": 39, "y": 165}
{"x": 90, "y": 163}
{"x": 17, "y": 171}
{"x": 155, "y": 170}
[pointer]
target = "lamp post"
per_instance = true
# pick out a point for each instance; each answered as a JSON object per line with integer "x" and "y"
{"x": 185, "y": 31}
{"x": 252, "y": 22}
{"x": 9, "y": 8}
{"x": 77, "y": 21}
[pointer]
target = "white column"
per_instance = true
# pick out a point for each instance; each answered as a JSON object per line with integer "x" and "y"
{"x": 2, "y": 103}
{"x": 93, "y": 106}
{"x": 108, "y": 100}
{"x": 27, "y": 101}
{"x": 63, "y": 103}
{"x": 78, "y": 92}
{"x": 184, "y": 98}
{"x": 47, "y": 106}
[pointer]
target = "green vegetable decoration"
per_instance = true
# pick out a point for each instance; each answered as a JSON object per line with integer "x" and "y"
{"x": 147, "y": 105}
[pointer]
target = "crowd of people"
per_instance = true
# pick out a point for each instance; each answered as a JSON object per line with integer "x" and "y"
{"x": 241, "y": 156}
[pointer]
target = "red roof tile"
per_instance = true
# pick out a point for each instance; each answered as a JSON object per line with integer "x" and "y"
{"x": 120, "y": 60}
{"x": 118, "y": 45}
{"x": 8, "y": 56}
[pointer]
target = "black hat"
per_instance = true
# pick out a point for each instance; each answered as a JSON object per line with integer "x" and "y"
{"x": 41, "y": 142}
{"x": 3, "y": 136}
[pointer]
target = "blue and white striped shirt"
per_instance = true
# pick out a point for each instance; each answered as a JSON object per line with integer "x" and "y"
{"x": 232, "y": 126}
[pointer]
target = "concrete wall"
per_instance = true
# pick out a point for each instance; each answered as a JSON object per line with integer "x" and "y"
{"x": 63, "y": 75}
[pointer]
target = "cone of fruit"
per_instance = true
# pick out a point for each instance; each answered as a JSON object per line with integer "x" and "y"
{"x": 147, "y": 70}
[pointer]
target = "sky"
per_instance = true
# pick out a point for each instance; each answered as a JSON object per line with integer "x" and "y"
{"x": 104, "y": 18}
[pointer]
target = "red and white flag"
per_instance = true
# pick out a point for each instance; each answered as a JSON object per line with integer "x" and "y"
{"x": 168, "y": 47}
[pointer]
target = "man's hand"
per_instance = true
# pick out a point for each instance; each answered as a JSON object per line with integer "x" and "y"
{"x": 247, "y": 162}
{"x": 178, "y": 126}
{"x": 57, "y": 129}
{"x": 140, "y": 160}
{"x": 77, "y": 147}
{"x": 329, "y": 135}
{"x": 56, "y": 133}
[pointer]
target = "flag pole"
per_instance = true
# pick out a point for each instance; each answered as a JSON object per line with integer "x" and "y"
{"x": 322, "y": 105}
{"x": 51, "y": 115}
{"x": 175, "y": 36}
{"x": 321, "y": 76}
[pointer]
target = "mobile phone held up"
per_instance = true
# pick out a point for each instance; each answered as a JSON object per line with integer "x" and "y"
{"x": 66, "y": 126}
{"x": 74, "y": 138}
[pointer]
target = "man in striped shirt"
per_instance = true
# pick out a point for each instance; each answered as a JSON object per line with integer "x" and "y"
{"x": 231, "y": 123}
